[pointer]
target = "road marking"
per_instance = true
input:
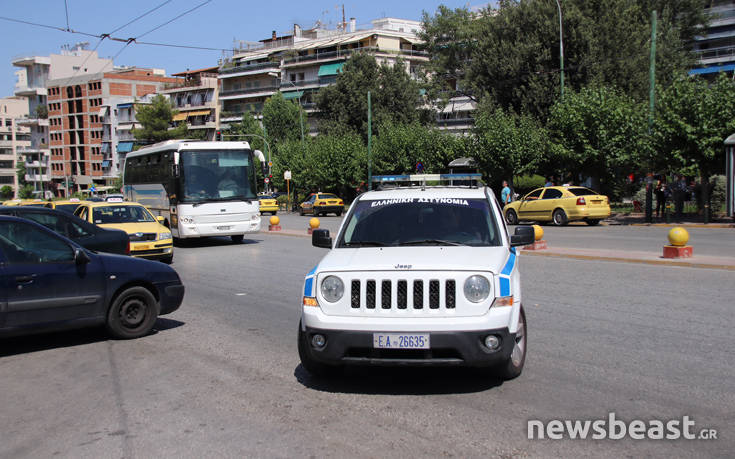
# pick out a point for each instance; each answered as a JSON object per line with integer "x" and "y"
{"x": 240, "y": 294}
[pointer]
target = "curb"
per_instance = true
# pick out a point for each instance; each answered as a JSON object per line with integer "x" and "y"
{"x": 685, "y": 264}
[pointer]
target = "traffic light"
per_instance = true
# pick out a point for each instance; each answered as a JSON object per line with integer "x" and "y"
{"x": 218, "y": 136}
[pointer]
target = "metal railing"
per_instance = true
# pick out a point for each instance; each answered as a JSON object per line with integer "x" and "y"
{"x": 248, "y": 67}
{"x": 715, "y": 53}
{"x": 233, "y": 92}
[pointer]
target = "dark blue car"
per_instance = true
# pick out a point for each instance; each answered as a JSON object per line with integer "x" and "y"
{"x": 49, "y": 282}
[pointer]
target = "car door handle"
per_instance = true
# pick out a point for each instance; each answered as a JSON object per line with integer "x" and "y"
{"x": 25, "y": 279}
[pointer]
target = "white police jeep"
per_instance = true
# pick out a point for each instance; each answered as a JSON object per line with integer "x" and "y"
{"x": 417, "y": 275}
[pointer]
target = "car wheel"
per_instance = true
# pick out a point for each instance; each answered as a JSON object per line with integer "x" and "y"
{"x": 274, "y": 213}
{"x": 301, "y": 211}
{"x": 168, "y": 260}
{"x": 339, "y": 214}
{"x": 511, "y": 217}
{"x": 559, "y": 217}
{"x": 317, "y": 369}
{"x": 132, "y": 314}
{"x": 513, "y": 367}
{"x": 237, "y": 238}
{"x": 592, "y": 221}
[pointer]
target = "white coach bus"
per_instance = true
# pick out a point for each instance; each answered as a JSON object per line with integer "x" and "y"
{"x": 200, "y": 188}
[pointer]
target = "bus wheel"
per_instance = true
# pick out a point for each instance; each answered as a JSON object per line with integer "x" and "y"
{"x": 237, "y": 238}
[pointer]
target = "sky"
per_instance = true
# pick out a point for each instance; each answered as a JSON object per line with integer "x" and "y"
{"x": 216, "y": 24}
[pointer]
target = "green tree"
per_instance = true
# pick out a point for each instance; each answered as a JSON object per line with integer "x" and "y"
{"x": 20, "y": 172}
{"x": 6, "y": 192}
{"x": 395, "y": 96}
{"x": 693, "y": 119}
{"x": 156, "y": 118}
{"x": 508, "y": 145}
{"x": 281, "y": 118}
{"x": 25, "y": 192}
{"x": 599, "y": 133}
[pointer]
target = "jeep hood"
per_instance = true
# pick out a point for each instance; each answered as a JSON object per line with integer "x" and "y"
{"x": 423, "y": 258}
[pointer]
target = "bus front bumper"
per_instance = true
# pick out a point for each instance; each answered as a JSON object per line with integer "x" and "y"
{"x": 219, "y": 229}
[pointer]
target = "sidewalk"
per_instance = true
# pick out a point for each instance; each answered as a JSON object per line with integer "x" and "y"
{"x": 631, "y": 256}
{"x": 691, "y": 221}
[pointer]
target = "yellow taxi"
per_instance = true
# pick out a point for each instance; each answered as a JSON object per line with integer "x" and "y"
{"x": 68, "y": 205}
{"x": 322, "y": 204}
{"x": 559, "y": 205}
{"x": 148, "y": 237}
{"x": 268, "y": 204}
{"x": 25, "y": 202}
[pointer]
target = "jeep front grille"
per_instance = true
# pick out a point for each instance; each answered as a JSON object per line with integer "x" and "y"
{"x": 368, "y": 297}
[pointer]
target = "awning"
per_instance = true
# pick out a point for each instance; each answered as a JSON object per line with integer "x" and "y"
{"x": 124, "y": 147}
{"x": 330, "y": 69}
{"x": 715, "y": 69}
{"x": 179, "y": 117}
{"x": 293, "y": 95}
{"x": 124, "y": 105}
{"x": 199, "y": 113}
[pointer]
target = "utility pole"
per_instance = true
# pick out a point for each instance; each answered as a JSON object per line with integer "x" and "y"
{"x": 561, "y": 50}
{"x": 651, "y": 102}
{"x": 370, "y": 136}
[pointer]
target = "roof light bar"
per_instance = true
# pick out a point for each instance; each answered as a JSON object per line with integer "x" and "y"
{"x": 421, "y": 179}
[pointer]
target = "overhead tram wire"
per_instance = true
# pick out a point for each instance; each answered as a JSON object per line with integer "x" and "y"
{"x": 172, "y": 20}
{"x": 66, "y": 8}
{"x": 141, "y": 16}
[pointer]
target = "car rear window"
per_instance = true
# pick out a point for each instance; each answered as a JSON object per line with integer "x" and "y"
{"x": 327, "y": 196}
{"x": 581, "y": 191}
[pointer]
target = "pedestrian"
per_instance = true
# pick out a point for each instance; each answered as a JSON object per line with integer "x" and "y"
{"x": 505, "y": 194}
{"x": 679, "y": 191}
{"x": 549, "y": 182}
{"x": 660, "y": 191}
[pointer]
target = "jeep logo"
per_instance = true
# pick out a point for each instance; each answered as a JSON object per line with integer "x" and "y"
{"x": 402, "y": 266}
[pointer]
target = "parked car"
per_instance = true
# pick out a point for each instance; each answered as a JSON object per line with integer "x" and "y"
{"x": 87, "y": 235}
{"x": 51, "y": 282}
{"x": 25, "y": 202}
{"x": 148, "y": 237}
{"x": 560, "y": 205}
{"x": 268, "y": 205}
{"x": 322, "y": 204}
{"x": 68, "y": 206}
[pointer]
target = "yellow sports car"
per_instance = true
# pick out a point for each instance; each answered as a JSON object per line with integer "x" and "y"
{"x": 148, "y": 237}
{"x": 560, "y": 205}
{"x": 322, "y": 204}
{"x": 268, "y": 205}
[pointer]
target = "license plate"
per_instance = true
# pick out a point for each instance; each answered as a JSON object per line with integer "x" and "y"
{"x": 142, "y": 247}
{"x": 400, "y": 341}
{"x": 223, "y": 228}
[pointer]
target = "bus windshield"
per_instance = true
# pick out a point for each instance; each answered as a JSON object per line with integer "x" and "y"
{"x": 217, "y": 175}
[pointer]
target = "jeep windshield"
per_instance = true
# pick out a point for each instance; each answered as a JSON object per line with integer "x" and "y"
{"x": 414, "y": 222}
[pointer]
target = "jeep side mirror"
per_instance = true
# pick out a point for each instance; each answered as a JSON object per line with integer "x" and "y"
{"x": 524, "y": 236}
{"x": 320, "y": 238}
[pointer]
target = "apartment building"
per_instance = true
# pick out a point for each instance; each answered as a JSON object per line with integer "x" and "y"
{"x": 300, "y": 63}
{"x": 716, "y": 47}
{"x": 33, "y": 74}
{"x": 86, "y": 113}
{"x": 196, "y": 97}
{"x": 13, "y": 138}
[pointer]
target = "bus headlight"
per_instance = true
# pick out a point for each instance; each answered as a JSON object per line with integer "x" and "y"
{"x": 476, "y": 289}
{"x": 332, "y": 289}
{"x": 255, "y": 217}
{"x": 186, "y": 220}
{"x": 162, "y": 236}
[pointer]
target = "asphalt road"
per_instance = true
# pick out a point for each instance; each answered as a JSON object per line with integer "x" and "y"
{"x": 221, "y": 376}
{"x": 705, "y": 241}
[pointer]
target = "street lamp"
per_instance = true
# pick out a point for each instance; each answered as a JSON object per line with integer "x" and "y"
{"x": 561, "y": 49}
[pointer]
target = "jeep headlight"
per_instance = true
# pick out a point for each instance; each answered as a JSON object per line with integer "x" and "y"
{"x": 476, "y": 289}
{"x": 162, "y": 236}
{"x": 332, "y": 289}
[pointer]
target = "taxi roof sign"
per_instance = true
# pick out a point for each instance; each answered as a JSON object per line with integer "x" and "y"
{"x": 114, "y": 199}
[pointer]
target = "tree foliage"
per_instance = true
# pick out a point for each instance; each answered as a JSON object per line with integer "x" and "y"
{"x": 6, "y": 192}
{"x": 281, "y": 118}
{"x": 394, "y": 96}
{"x": 156, "y": 118}
{"x": 693, "y": 118}
{"x": 601, "y": 134}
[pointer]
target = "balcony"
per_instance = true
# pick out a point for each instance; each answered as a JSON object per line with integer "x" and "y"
{"x": 203, "y": 81}
{"x": 28, "y": 122}
{"x": 248, "y": 69}
{"x": 345, "y": 53}
{"x": 713, "y": 55}
{"x": 37, "y": 177}
{"x": 26, "y": 91}
{"x": 249, "y": 92}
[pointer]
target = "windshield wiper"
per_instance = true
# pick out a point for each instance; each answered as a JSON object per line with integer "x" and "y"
{"x": 364, "y": 244}
{"x": 430, "y": 242}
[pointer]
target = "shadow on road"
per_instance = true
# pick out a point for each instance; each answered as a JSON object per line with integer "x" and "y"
{"x": 68, "y": 338}
{"x": 400, "y": 381}
{"x": 212, "y": 242}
